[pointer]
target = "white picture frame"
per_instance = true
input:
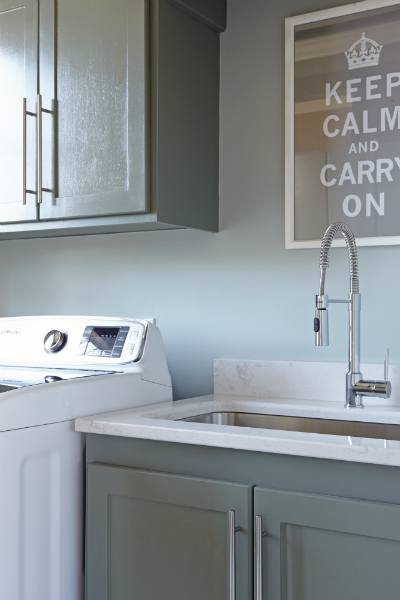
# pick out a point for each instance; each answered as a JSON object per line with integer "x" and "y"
{"x": 290, "y": 24}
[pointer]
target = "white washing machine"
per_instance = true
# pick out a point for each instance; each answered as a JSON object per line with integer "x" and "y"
{"x": 53, "y": 370}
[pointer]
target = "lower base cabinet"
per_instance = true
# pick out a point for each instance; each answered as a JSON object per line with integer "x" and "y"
{"x": 154, "y": 536}
{"x": 326, "y": 548}
{"x": 162, "y": 536}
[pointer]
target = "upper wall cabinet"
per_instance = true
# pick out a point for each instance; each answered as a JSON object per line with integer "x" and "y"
{"x": 110, "y": 115}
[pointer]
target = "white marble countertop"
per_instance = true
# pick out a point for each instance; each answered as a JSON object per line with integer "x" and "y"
{"x": 159, "y": 422}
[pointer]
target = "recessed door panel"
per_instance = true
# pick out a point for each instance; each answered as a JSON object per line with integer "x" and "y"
{"x": 321, "y": 563}
{"x": 95, "y": 135}
{"x": 18, "y": 76}
{"x": 325, "y": 547}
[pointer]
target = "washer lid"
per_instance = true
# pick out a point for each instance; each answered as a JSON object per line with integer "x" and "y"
{"x": 16, "y": 377}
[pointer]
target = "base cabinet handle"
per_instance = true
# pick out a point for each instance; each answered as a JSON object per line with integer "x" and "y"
{"x": 232, "y": 555}
{"x": 259, "y": 558}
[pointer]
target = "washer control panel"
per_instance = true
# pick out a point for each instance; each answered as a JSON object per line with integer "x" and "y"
{"x": 66, "y": 341}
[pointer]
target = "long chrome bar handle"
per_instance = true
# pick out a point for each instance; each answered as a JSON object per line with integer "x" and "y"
{"x": 259, "y": 557}
{"x": 386, "y": 365}
{"x": 24, "y": 151}
{"x": 232, "y": 555}
{"x": 39, "y": 148}
{"x": 259, "y": 561}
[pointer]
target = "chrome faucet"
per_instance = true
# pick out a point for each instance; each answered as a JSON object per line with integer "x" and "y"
{"x": 356, "y": 387}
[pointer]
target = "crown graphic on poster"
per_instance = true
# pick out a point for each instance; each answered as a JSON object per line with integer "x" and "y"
{"x": 363, "y": 53}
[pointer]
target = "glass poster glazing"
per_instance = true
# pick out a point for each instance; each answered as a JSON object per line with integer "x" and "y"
{"x": 345, "y": 125}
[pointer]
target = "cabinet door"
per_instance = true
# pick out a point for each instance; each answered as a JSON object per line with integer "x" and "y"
{"x": 94, "y": 87}
{"x": 155, "y": 536}
{"x": 18, "y": 76}
{"x": 321, "y": 547}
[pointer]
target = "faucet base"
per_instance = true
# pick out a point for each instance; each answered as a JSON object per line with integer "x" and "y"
{"x": 353, "y": 399}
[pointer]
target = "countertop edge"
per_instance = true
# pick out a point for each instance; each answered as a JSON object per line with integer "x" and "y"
{"x": 156, "y": 422}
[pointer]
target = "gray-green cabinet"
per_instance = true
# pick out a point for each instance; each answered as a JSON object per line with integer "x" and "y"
{"x": 333, "y": 527}
{"x": 128, "y": 131}
{"x": 322, "y": 547}
{"x": 154, "y": 535}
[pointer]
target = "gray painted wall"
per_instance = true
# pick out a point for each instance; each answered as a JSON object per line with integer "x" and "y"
{"x": 235, "y": 294}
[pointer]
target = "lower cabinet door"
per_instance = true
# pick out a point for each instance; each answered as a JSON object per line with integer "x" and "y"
{"x": 155, "y": 536}
{"x": 311, "y": 547}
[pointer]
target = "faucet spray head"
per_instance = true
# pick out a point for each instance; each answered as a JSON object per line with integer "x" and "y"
{"x": 321, "y": 325}
{"x": 321, "y": 310}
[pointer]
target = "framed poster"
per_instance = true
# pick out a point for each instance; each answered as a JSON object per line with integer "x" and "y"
{"x": 343, "y": 123}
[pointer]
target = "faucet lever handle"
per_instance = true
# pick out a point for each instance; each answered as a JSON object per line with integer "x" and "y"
{"x": 386, "y": 365}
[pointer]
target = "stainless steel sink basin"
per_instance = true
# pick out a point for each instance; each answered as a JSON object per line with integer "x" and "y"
{"x": 325, "y": 426}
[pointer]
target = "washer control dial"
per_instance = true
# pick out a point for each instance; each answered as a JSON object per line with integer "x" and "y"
{"x": 54, "y": 341}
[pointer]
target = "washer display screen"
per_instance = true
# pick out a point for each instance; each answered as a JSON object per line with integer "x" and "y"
{"x": 103, "y": 339}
